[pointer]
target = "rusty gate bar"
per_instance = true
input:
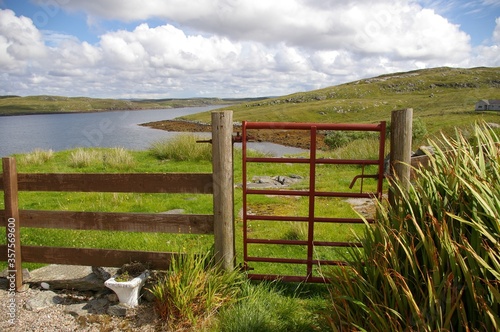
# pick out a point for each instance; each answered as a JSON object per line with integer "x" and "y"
{"x": 312, "y": 190}
{"x": 311, "y": 219}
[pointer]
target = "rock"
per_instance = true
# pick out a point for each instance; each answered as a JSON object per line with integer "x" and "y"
{"x": 76, "y": 309}
{"x": 120, "y": 310}
{"x": 42, "y": 300}
{"x": 75, "y": 277}
{"x": 423, "y": 151}
{"x": 112, "y": 297}
{"x": 101, "y": 273}
{"x": 278, "y": 181}
{"x": 26, "y": 273}
{"x": 146, "y": 295}
{"x": 95, "y": 306}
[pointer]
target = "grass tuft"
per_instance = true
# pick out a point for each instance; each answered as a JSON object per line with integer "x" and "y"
{"x": 265, "y": 307}
{"x": 181, "y": 148}
{"x": 193, "y": 290}
{"x": 37, "y": 157}
{"x": 116, "y": 158}
{"x": 119, "y": 158}
{"x": 81, "y": 158}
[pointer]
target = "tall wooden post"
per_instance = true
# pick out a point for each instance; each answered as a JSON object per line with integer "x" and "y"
{"x": 11, "y": 214}
{"x": 401, "y": 136}
{"x": 222, "y": 161}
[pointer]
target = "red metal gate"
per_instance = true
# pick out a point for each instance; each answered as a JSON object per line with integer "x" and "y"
{"x": 311, "y": 193}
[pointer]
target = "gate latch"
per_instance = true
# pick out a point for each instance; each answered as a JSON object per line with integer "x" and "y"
{"x": 362, "y": 176}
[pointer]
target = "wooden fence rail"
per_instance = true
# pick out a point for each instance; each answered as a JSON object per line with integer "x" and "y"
{"x": 195, "y": 183}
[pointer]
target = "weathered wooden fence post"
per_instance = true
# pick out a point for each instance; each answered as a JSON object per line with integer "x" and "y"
{"x": 222, "y": 161}
{"x": 401, "y": 135}
{"x": 11, "y": 215}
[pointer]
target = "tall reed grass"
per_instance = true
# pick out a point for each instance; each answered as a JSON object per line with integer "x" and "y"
{"x": 118, "y": 158}
{"x": 193, "y": 290}
{"x": 181, "y": 148}
{"x": 431, "y": 262}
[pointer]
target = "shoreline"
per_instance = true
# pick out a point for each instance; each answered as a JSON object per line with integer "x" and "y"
{"x": 292, "y": 138}
{"x": 93, "y": 111}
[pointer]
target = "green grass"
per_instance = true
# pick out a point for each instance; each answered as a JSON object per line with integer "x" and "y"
{"x": 180, "y": 148}
{"x": 36, "y": 157}
{"x": 271, "y": 307}
{"x": 193, "y": 289}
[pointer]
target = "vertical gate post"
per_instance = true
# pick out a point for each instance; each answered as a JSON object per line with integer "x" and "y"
{"x": 401, "y": 133}
{"x": 222, "y": 163}
{"x": 14, "y": 266}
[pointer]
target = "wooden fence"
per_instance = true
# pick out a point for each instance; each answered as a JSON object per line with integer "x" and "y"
{"x": 218, "y": 183}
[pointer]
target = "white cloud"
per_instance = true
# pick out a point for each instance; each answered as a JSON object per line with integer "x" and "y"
{"x": 229, "y": 48}
{"x": 496, "y": 33}
{"x": 19, "y": 40}
{"x": 488, "y": 54}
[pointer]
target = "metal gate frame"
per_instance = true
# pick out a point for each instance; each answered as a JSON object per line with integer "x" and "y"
{"x": 311, "y": 219}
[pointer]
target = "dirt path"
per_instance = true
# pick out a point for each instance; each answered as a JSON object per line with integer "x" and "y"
{"x": 294, "y": 138}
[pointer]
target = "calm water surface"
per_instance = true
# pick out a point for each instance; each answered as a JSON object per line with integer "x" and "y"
{"x": 24, "y": 133}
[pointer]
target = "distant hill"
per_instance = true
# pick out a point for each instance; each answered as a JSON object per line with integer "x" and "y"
{"x": 15, "y": 105}
{"x": 442, "y": 98}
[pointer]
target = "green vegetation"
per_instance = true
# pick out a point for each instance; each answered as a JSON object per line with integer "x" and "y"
{"x": 271, "y": 307}
{"x": 193, "y": 290}
{"x": 36, "y": 157}
{"x": 180, "y": 148}
{"x": 432, "y": 261}
{"x": 117, "y": 158}
{"x": 15, "y": 105}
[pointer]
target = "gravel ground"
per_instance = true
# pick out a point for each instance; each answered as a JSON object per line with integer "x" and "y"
{"x": 53, "y": 318}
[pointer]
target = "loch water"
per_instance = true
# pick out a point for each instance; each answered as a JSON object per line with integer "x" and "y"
{"x": 25, "y": 133}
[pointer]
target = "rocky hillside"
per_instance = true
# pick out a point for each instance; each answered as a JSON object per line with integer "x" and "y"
{"x": 441, "y": 97}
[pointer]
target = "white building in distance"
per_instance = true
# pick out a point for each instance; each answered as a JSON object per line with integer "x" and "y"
{"x": 488, "y": 105}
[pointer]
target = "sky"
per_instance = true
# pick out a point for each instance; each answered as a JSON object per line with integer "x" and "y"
{"x": 232, "y": 48}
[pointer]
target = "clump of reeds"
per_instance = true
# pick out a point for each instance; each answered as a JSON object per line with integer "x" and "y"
{"x": 118, "y": 157}
{"x": 84, "y": 158}
{"x": 431, "y": 262}
{"x": 114, "y": 157}
{"x": 193, "y": 290}
{"x": 181, "y": 148}
{"x": 37, "y": 157}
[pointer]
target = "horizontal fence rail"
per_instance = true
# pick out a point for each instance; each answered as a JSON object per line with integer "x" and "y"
{"x": 116, "y": 221}
{"x": 196, "y": 183}
{"x": 91, "y": 256}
